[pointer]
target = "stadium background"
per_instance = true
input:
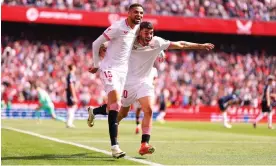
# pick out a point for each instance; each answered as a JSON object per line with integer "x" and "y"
{"x": 40, "y": 38}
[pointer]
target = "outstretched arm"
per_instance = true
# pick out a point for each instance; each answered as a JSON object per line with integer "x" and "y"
{"x": 190, "y": 45}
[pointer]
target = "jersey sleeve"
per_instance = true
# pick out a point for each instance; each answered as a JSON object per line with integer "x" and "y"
{"x": 111, "y": 32}
{"x": 162, "y": 43}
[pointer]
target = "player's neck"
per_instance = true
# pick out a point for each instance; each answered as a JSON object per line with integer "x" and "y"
{"x": 129, "y": 23}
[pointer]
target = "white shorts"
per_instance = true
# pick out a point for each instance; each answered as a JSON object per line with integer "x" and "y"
{"x": 112, "y": 80}
{"x": 132, "y": 93}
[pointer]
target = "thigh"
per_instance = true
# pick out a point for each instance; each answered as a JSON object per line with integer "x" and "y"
{"x": 221, "y": 104}
{"x": 129, "y": 96}
{"x": 146, "y": 103}
{"x": 162, "y": 107}
{"x": 265, "y": 108}
{"x": 69, "y": 99}
{"x": 49, "y": 109}
{"x": 110, "y": 80}
{"x": 146, "y": 90}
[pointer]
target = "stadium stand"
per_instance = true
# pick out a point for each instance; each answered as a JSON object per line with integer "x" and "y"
{"x": 246, "y": 9}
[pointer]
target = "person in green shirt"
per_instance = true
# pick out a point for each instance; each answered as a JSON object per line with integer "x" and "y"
{"x": 45, "y": 103}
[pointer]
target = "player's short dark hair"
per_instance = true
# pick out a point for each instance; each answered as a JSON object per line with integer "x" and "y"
{"x": 146, "y": 25}
{"x": 70, "y": 67}
{"x": 134, "y": 5}
{"x": 34, "y": 84}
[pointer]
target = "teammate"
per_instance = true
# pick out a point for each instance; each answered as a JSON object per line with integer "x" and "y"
{"x": 71, "y": 96}
{"x": 139, "y": 85}
{"x": 114, "y": 67}
{"x": 267, "y": 103}
{"x": 226, "y": 101}
{"x": 137, "y": 105}
{"x": 46, "y": 103}
{"x": 162, "y": 100}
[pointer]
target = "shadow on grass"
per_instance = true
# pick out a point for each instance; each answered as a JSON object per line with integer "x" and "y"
{"x": 139, "y": 157}
{"x": 82, "y": 156}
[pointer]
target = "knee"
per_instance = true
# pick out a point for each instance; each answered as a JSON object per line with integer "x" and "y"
{"x": 115, "y": 106}
{"x": 148, "y": 111}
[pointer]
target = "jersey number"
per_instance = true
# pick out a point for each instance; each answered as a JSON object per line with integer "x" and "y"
{"x": 125, "y": 94}
{"x": 108, "y": 74}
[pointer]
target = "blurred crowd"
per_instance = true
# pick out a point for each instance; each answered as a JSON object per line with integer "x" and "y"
{"x": 23, "y": 61}
{"x": 186, "y": 78}
{"x": 247, "y": 9}
{"x": 200, "y": 78}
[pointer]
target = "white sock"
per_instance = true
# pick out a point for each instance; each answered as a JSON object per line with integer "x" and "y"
{"x": 224, "y": 117}
{"x": 68, "y": 117}
{"x": 269, "y": 119}
{"x": 260, "y": 117}
{"x": 115, "y": 147}
{"x": 161, "y": 115}
{"x": 71, "y": 115}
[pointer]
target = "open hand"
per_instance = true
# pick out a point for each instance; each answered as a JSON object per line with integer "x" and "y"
{"x": 207, "y": 46}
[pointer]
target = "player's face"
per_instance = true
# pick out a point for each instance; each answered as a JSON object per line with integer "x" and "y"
{"x": 136, "y": 15}
{"x": 146, "y": 35}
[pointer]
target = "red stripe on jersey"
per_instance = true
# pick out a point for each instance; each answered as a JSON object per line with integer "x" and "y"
{"x": 105, "y": 35}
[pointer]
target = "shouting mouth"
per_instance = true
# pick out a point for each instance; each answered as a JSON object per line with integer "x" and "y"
{"x": 138, "y": 19}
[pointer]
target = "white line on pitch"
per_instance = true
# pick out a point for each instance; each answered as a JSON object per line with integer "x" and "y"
{"x": 80, "y": 145}
{"x": 180, "y": 142}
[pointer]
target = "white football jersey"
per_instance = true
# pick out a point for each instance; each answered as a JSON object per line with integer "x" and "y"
{"x": 121, "y": 38}
{"x": 142, "y": 59}
{"x": 153, "y": 74}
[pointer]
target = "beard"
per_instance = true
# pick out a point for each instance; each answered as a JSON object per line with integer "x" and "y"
{"x": 146, "y": 42}
{"x": 134, "y": 21}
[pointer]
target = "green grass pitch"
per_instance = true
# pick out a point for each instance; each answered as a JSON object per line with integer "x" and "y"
{"x": 177, "y": 143}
